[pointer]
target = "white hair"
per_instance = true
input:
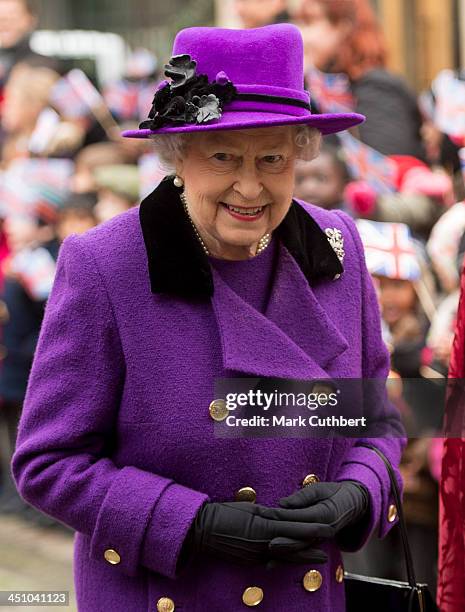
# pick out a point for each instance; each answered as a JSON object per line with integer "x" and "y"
{"x": 170, "y": 147}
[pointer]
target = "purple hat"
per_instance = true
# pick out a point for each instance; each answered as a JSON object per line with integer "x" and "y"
{"x": 224, "y": 79}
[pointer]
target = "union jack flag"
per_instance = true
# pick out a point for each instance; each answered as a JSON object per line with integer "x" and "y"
{"x": 389, "y": 249}
{"x": 369, "y": 165}
{"x": 74, "y": 95}
{"x": 67, "y": 100}
{"x": 50, "y": 171}
{"x": 331, "y": 92}
{"x": 449, "y": 112}
{"x": 15, "y": 196}
{"x": 36, "y": 271}
{"x": 121, "y": 98}
{"x": 35, "y": 187}
{"x": 128, "y": 100}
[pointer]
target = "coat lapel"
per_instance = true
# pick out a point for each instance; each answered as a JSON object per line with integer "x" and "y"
{"x": 294, "y": 339}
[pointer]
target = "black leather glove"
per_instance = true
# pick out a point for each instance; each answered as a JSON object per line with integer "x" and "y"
{"x": 333, "y": 505}
{"x": 235, "y": 532}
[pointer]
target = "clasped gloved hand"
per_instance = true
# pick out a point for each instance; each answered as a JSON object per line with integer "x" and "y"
{"x": 236, "y": 532}
{"x": 328, "y": 506}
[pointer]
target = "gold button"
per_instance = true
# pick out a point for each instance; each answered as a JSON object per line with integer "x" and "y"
{"x": 392, "y": 513}
{"x": 112, "y": 556}
{"x": 310, "y": 479}
{"x": 339, "y": 573}
{"x": 321, "y": 387}
{"x": 252, "y": 596}
{"x": 218, "y": 410}
{"x": 165, "y": 604}
{"x": 312, "y": 580}
{"x": 246, "y": 494}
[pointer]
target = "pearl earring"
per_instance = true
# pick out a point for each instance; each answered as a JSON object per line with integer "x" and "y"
{"x": 178, "y": 182}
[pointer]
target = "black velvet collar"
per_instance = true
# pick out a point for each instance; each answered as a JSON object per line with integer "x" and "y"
{"x": 178, "y": 265}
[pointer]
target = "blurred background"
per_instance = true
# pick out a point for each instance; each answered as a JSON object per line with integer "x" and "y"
{"x": 73, "y": 74}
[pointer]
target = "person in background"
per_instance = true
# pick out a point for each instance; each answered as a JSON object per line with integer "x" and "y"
{"x": 421, "y": 197}
{"x": 117, "y": 190}
{"x": 29, "y": 273}
{"x": 451, "y": 586}
{"x": 323, "y": 180}
{"x": 27, "y": 94}
{"x": 443, "y": 120}
{"x": 443, "y": 246}
{"x": 257, "y": 13}
{"x": 18, "y": 19}
{"x": 76, "y": 215}
{"x": 91, "y": 157}
{"x": 345, "y": 38}
{"x": 394, "y": 264}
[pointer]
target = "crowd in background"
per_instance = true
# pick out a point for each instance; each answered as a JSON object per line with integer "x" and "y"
{"x": 65, "y": 169}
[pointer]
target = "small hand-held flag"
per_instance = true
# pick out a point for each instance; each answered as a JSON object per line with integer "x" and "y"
{"x": 365, "y": 163}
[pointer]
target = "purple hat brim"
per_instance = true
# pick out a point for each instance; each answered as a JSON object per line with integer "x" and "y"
{"x": 326, "y": 123}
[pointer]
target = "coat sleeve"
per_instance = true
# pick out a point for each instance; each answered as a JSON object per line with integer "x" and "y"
{"x": 360, "y": 463}
{"x": 62, "y": 463}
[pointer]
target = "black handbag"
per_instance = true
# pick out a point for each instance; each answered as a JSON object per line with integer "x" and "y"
{"x": 381, "y": 595}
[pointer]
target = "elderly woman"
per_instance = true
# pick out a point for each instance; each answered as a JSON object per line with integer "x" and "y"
{"x": 219, "y": 274}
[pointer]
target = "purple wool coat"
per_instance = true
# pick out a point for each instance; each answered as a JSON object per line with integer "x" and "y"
{"x": 116, "y": 438}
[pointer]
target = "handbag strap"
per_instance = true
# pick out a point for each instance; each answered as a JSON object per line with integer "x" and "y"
{"x": 403, "y": 528}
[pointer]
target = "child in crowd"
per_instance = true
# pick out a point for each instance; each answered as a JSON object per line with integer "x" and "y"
{"x": 322, "y": 181}
{"x": 77, "y": 215}
{"x": 394, "y": 262}
{"x": 117, "y": 190}
{"x": 92, "y": 157}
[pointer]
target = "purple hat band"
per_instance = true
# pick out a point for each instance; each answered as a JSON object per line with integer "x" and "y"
{"x": 272, "y": 99}
{"x": 225, "y": 79}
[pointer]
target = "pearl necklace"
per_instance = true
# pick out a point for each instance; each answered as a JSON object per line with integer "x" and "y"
{"x": 262, "y": 243}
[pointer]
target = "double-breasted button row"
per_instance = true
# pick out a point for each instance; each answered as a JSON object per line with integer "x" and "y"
{"x": 253, "y": 595}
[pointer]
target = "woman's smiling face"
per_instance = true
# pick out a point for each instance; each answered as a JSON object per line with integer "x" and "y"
{"x": 238, "y": 186}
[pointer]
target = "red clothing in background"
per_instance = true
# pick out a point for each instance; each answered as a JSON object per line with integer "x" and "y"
{"x": 451, "y": 583}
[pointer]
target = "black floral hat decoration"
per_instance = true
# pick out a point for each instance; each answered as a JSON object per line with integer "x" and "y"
{"x": 189, "y": 98}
